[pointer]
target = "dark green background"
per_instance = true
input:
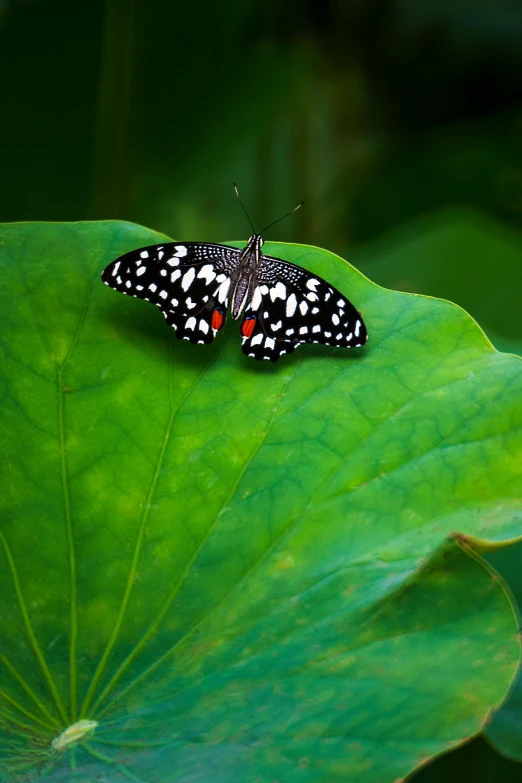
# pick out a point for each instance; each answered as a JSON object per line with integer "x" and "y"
{"x": 399, "y": 122}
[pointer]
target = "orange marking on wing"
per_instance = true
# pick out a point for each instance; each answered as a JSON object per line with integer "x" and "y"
{"x": 248, "y": 326}
{"x": 217, "y": 320}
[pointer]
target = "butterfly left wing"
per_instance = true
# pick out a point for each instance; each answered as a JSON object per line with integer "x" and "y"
{"x": 189, "y": 282}
{"x": 290, "y": 306}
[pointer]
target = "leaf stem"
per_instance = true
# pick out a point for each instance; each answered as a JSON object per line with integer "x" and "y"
{"x": 73, "y": 597}
{"x": 32, "y": 695}
{"x": 111, "y": 762}
{"x": 31, "y": 634}
{"x": 9, "y": 700}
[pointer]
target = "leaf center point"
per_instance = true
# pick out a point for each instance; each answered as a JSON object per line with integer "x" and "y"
{"x": 76, "y": 732}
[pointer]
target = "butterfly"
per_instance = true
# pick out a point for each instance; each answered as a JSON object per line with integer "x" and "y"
{"x": 195, "y": 285}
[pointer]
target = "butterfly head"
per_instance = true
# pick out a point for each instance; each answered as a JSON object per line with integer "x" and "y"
{"x": 256, "y": 240}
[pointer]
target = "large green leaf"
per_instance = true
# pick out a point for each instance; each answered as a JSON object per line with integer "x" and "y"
{"x": 231, "y": 571}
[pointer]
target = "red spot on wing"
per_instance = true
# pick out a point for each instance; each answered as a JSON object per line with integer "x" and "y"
{"x": 247, "y": 327}
{"x": 217, "y": 319}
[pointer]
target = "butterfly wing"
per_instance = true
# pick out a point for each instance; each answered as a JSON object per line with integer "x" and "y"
{"x": 291, "y": 306}
{"x": 189, "y": 282}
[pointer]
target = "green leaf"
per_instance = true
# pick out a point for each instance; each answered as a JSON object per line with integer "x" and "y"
{"x": 234, "y": 571}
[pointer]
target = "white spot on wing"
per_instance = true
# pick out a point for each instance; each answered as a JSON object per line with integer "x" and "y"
{"x": 223, "y": 290}
{"x": 256, "y": 339}
{"x": 203, "y": 326}
{"x": 303, "y": 308}
{"x": 163, "y": 272}
{"x": 175, "y": 275}
{"x": 188, "y": 278}
{"x": 116, "y": 267}
{"x": 303, "y": 330}
{"x": 357, "y": 327}
{"x": 144, "y": 254}
{"x": 181, "y": 251}
{"x": 316, "y": 328}
{"x": 291, "y": 305}
{"x": 278, "y": 292}
{"x": 335, "y": 319}
{"x": 277, "y": 326}
{"x": 256, "y": 299}
{"x": 312, "y": 284}
{"x": 141, "y": 271}
{"x": 191, "y": 323}
{"x": 208, "y": 273}
{"x": 312, "y": 297}
{"x": 270, "y": 343}
{"x": 153, "y": 287}
{"x": 173, "y": 262}
{"x": 174, "y": 302}
{"x": 163, "y": 294}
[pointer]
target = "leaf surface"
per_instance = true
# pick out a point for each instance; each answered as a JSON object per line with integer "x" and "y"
{"x": 241, "y": 571}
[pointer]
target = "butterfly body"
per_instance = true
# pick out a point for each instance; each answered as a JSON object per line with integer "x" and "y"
{"x": 195, "y": 284}
{"x": 246, "y": 278}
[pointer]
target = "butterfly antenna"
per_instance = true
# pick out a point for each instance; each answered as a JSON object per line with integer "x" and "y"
{"x": 243, "y": 208}
{"x": 282, "y": 218}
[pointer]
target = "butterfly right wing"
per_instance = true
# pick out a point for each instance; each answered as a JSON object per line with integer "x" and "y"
{"x": 290, "y": 306}
{"x": 189, "y": 281}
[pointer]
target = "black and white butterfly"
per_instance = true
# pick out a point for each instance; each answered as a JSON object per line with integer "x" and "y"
{"x": 195, "y": 284}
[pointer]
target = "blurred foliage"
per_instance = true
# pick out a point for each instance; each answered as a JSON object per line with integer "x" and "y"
{"x": 457, "y": 254}
{"x": 375, "y": 112}
{"x": 372, "y": 111}
{"x": 399, "y": 122}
